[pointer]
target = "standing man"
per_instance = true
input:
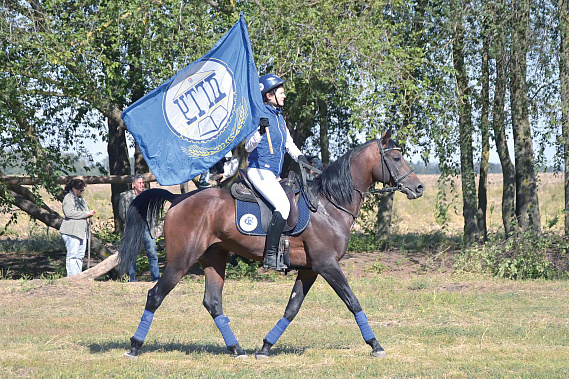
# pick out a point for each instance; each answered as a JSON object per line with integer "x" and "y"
{"x": 149, "y": 236}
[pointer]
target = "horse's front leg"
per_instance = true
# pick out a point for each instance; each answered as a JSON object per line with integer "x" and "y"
{"x": 213, "y": 264}
{"x": 304, "y": 280}
{"x": 333, "y": 274}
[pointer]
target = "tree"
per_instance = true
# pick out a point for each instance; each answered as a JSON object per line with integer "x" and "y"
{"x": 499, "y": 119}
{"x": 527, "y": 205}
{"x": 463, "y": 99}
{"x": 484, "y": 126}
{"x": 563, "y": 10}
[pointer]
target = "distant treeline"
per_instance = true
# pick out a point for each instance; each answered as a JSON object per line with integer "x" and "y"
{"x": 493, "y": 168}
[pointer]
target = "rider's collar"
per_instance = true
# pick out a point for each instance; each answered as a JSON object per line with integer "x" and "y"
{"x": 273, "y": 109}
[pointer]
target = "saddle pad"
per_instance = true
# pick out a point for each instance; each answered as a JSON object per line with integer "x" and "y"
{"x": 248, "y": 218}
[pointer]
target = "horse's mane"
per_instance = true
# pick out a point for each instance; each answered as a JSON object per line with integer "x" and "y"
{"x": 336, "y": 181}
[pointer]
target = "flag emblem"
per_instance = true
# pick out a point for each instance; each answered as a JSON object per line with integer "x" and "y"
{"x": 199, "y": 104}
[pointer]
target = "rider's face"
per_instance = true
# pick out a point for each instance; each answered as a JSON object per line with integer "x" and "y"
{"x": 278, "y": 98}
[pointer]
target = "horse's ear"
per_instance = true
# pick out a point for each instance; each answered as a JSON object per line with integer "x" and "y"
{"x": 386, "y": 136}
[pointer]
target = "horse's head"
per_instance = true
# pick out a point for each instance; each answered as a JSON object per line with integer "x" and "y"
{"x": 394, "y": 170}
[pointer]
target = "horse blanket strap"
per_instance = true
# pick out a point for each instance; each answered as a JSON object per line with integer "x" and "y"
{"x": 310, "y": 198}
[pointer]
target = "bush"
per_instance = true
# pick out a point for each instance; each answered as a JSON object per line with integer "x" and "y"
{"x": 238, "y": 268}
{"x": 529, "y": 256}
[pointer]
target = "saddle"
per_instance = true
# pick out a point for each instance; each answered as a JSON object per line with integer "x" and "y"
{"x": 243, "y": 190}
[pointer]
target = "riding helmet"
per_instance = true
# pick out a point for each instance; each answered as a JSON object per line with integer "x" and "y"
{"x": 268, "y": 82}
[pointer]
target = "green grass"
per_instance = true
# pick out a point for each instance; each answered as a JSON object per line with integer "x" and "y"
{"x": 431, "y": 326}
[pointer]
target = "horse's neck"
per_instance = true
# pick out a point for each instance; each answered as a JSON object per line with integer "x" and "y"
{"x": 361, "y": 169}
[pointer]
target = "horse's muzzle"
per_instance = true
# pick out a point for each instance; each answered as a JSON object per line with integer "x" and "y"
{"x": 412, "y": 193}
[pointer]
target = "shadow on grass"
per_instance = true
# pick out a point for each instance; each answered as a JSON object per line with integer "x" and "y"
{"x": 188, "y": 348}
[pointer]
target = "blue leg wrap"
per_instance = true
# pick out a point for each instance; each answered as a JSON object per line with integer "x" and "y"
{"x": 144, "y": 325}
{"x": 222, "y": 323}
{"x": 361, "y": 319}
{"x": 275, "y": 333}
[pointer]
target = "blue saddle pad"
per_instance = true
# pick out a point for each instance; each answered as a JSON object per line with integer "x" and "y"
{"x": 248, "y": 218}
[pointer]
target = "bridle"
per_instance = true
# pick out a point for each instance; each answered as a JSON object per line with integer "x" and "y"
{"x": 395, "y": 180}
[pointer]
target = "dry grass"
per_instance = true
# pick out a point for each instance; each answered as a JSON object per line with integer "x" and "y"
{"x": 431, "y": 326}
{"x": 418, "y": 216}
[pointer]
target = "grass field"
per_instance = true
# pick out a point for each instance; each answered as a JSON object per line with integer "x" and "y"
{"x": 438, "y": 326}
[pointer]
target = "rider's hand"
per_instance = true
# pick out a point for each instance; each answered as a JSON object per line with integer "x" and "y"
{"x": 302, "y": 158}
{"x": 263, "y": 125}
{"x": 90, "y": 213}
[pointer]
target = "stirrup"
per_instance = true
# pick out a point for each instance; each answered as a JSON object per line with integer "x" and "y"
{"x": 280, "y": 261}
{"x": 283, "y": 261}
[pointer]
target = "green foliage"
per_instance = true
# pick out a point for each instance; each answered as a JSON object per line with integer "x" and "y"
{"x": 105, "y": 232}
{"x": 361, "y": 243}
{"x": 377, "y": 267}
{"x": 241, "y": 268}
{"x": 529, "y": 256}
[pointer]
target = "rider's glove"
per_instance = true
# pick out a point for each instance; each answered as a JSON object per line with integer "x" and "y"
{"x": 302, "y": 158}
{"x": 263, "y": 125}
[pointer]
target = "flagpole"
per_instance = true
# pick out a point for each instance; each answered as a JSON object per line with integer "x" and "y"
{"x": 270, "y": 142}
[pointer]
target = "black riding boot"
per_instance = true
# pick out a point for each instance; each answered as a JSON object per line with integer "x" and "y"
{"x": 272, "y": 242}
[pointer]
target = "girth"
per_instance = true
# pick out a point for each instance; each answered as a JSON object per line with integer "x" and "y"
{"x": 243, "y": 190}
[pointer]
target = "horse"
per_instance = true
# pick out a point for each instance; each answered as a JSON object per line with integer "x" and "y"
{"x": 200, "y": 227}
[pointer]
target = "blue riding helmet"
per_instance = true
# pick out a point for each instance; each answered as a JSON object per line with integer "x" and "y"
{"x": 268, "y": 82}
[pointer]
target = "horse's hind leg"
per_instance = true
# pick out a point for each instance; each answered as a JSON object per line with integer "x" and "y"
{"x": 156, "y": 295}
{"x": 304, "y": 281}
{"x": 213, "y": 263}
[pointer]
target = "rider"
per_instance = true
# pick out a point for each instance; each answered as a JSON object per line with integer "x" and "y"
{"x": 265, "y": 167}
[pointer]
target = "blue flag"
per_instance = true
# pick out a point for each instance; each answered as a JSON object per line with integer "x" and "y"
{"x": 193, "y": 119}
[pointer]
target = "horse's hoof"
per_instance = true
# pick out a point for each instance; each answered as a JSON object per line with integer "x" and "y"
{"x": 261, "y": 356}
{"x": 242, "y": 356}
{"x": 131, "y": 355}
{"x": 378, "y": 354}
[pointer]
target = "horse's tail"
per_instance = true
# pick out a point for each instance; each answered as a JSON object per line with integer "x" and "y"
{"x": 144, "y": 210}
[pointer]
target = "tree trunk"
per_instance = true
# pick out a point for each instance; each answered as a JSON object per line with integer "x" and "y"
{"x": 469, "y": 203}
{"x": 324, "y": 142}
{"x": 527, "y": 206}
{"x": 384, "y": 214}
{"x": 140, "y": 166}
{"x": 109, "y": 179}
{"x": 499, "y": 124}
{"x": 564, "y": 78}
{"x": 118, "y": 165}
{"x": 484, "y": 126}
{"x": 99, "y": 270}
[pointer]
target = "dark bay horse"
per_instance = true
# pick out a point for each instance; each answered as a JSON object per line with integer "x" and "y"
{"x": 200, "y": 227}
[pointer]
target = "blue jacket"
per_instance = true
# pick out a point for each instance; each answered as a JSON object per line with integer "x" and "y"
{"x": 261, "y": 157}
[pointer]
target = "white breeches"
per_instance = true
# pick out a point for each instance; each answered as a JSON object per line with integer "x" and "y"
{"x": 268, "y": 185}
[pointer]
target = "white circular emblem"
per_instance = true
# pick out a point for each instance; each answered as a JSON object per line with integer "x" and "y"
{"x": 199, "y": 102}
{"x": 248, "y": 222}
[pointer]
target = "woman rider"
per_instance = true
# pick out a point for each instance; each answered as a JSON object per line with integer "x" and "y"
{"x": 265, "y": 167}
